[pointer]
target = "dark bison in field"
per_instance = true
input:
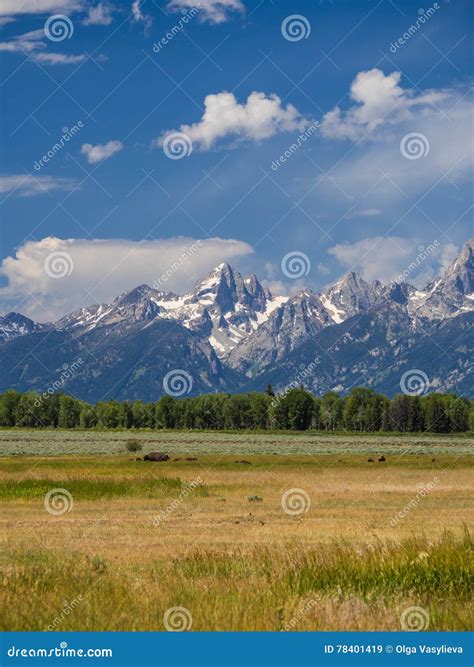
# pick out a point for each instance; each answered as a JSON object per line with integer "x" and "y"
{"x": 156, "y": 456}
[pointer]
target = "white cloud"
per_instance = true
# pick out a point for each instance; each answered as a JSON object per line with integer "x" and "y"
{"x": 11, "y": 7}
{"x": 32, "y": 44}
{"x": 139, "y": 16}
{"x": 25, "y": 185}
{"x": 385, "y": 258}
{"x": 101, "y": 151}
{"x": 383, "y": 114}
{"x": 104, "y": 268}
{"x": 259, "y": 118}
{"x": 366, "y": 213}
{"x": 213, "y": 11}
{"x": 379, "y": 99}
{"x": 100, "y": 14}
{"x": 58, "y": 58}
{"x": 26, "y": 43}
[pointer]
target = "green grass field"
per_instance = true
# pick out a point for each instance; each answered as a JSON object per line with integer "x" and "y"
{"x": 319, "y": 538}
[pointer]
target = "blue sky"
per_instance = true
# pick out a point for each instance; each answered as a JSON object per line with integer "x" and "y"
{"x": 121, "y": 211}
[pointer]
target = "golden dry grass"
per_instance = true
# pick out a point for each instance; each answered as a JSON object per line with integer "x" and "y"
{"x": 132, "y": 546}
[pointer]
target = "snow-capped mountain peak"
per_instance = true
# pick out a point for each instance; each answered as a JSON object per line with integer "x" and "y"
{"x": 14, "y": 324}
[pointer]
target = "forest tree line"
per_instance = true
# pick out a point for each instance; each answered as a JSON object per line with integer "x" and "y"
{"x": 362, "y": 410}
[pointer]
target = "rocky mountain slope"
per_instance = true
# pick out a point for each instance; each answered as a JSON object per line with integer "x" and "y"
{"x": 229, "y": 332}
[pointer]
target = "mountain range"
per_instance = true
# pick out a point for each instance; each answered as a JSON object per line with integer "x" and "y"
{"x": 229, "y": 333}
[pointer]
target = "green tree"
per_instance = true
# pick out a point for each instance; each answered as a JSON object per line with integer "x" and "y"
{"x": 69, "y": 412}
{"x": 8, "y": 407}
{"x": 331, "y": 411}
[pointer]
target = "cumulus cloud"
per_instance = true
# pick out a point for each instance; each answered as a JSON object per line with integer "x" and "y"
{"x": 385, "y": 258}
{"x": 378, "y": 99}
{"x": 25, "y": 185}
{"x": 212, "y": 11}
{"x": 100, "y": 14}
{"x": 12, "y": 7}
{"x": 101, "y": 151}
{"x": 259, "y": 118}
{"x": 101, "y": 269}
{"x": 384, "y": 116}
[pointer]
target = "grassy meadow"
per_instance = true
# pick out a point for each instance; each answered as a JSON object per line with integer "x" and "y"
{"x": 257, "y": 532}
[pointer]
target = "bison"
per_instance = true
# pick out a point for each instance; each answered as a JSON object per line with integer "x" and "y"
{"x": 156, "y": 456}
{"x": 382, "y": 459}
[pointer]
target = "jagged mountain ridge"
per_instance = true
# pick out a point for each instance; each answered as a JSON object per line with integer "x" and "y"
{"x": 232, "y": 332}
{"x": 223, "y": 307}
